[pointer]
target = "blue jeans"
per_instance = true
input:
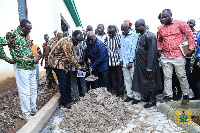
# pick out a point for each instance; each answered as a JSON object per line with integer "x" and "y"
{"x": 37, "y": 74}
{"x": 75, "y": 85}
{"x": 64, "y": 80}
{"x": 103, "y": 79}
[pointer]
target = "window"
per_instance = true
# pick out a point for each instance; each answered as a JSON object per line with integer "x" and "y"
{"x": 64, "y": 24}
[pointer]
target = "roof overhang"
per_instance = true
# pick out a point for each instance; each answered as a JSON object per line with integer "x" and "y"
{"x": 73, "y": 11}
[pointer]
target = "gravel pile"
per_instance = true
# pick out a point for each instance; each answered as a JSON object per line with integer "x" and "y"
{"x": 98, "y": 112}
{"x": 91, "y": 78}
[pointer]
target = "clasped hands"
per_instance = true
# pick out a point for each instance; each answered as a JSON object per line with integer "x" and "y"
{"x": 129, "y": 64}
{"x": 149, "y": 74}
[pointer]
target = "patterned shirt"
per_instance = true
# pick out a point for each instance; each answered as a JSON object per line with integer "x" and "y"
{"x": 102, "y": 38}
{"x": 195, "y": 53}
{"x": 79, "y": 50}
{"x": 128, "y": 46}
{"x": 44, "y": 46}
{"x": 171, "y": 36}
{"x": 79, "y": 53}
{"x": 195, "y": 36}
{"x": 61, "y": 56}
{"x": 20, "y": 50}
{"x": 50, "y": 42}
{"x": 113, "y": 49}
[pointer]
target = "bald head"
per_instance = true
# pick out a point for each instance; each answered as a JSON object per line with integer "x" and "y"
{"x": 90, "y": 33}
{"x": 91, "y": 37}
{"x": 125, "y": 24}
{"x": 125, "y": 28}
{"x": 140, "y": 21}
{"x": 140, "y": 26}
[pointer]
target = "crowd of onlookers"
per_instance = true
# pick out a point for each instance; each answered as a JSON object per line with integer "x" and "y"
{"x": 136, "y": 61}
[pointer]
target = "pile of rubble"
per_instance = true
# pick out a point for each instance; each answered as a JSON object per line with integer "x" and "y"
{"x": 99, "y": 111}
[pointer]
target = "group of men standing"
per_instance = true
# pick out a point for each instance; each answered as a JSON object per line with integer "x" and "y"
{"x": 129, "y": 59}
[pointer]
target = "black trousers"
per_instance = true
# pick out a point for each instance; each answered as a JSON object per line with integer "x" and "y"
{"x": 64, "y": 80}
{"x": 103, "y": 79}
{"x": 194, "y": 78}
{"x": 117, "y": 80}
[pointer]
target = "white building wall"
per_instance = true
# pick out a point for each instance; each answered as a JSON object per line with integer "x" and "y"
{"x": 66, "y": 14}
{"x": 44, "y": 16}
{"x": 9, "y": 21}
{"x": 40, "y": 14}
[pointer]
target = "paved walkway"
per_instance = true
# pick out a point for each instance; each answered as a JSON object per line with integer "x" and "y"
{"x": 149, "y": 120}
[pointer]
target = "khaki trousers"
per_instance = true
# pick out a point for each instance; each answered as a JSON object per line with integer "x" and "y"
{"x": 128, "y": 78}
{"x": 179, "y": 64}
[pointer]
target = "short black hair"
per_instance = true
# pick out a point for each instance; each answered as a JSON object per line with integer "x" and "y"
{"x": 76, "y": 32}
{"x": 46, "y": 35}
{"x": 193, "y": 20}
{"x": 24, "y": 22}
{"x": 90, "y": 26}
{"x": 112, "y": 26}
{"x": 168, "y": 10}
{"x": 101, "y": 25}
{"x": 159, "y": 16}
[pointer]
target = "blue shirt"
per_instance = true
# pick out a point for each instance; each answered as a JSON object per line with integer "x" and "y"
{"x": 98, "y": 55}
{"x": 128, "y": 47}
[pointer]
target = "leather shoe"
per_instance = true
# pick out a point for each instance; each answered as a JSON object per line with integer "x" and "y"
{"x": 128, "y": 99}
{"x": 177, "y": 97}
{"x": 145, "y": 100}
{"x": 185, "y": 99}
{"x": 149, "y": 104}
{"x": 68, "y": 106}
{"x": 114, "y": 94}
{"x": 194, "y": 98}
{"x": 166, "y": 99}
{"x": 135, "y": 101}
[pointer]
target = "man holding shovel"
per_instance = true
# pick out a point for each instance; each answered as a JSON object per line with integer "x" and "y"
{"x": 97, "y": 53}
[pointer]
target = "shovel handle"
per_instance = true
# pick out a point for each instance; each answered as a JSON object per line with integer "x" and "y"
{"x": 90, "y": 72}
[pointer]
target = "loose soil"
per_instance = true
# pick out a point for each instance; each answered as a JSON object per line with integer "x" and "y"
{"x": 196, "y": 120}
{"x": 8, "y": 84}
{"x": 10, "y": 105}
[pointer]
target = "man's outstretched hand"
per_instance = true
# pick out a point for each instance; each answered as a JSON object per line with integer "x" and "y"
{"x": 82, "y": 69}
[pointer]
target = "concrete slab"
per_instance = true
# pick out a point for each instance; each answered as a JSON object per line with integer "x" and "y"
{"x": 35, "y": 125}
